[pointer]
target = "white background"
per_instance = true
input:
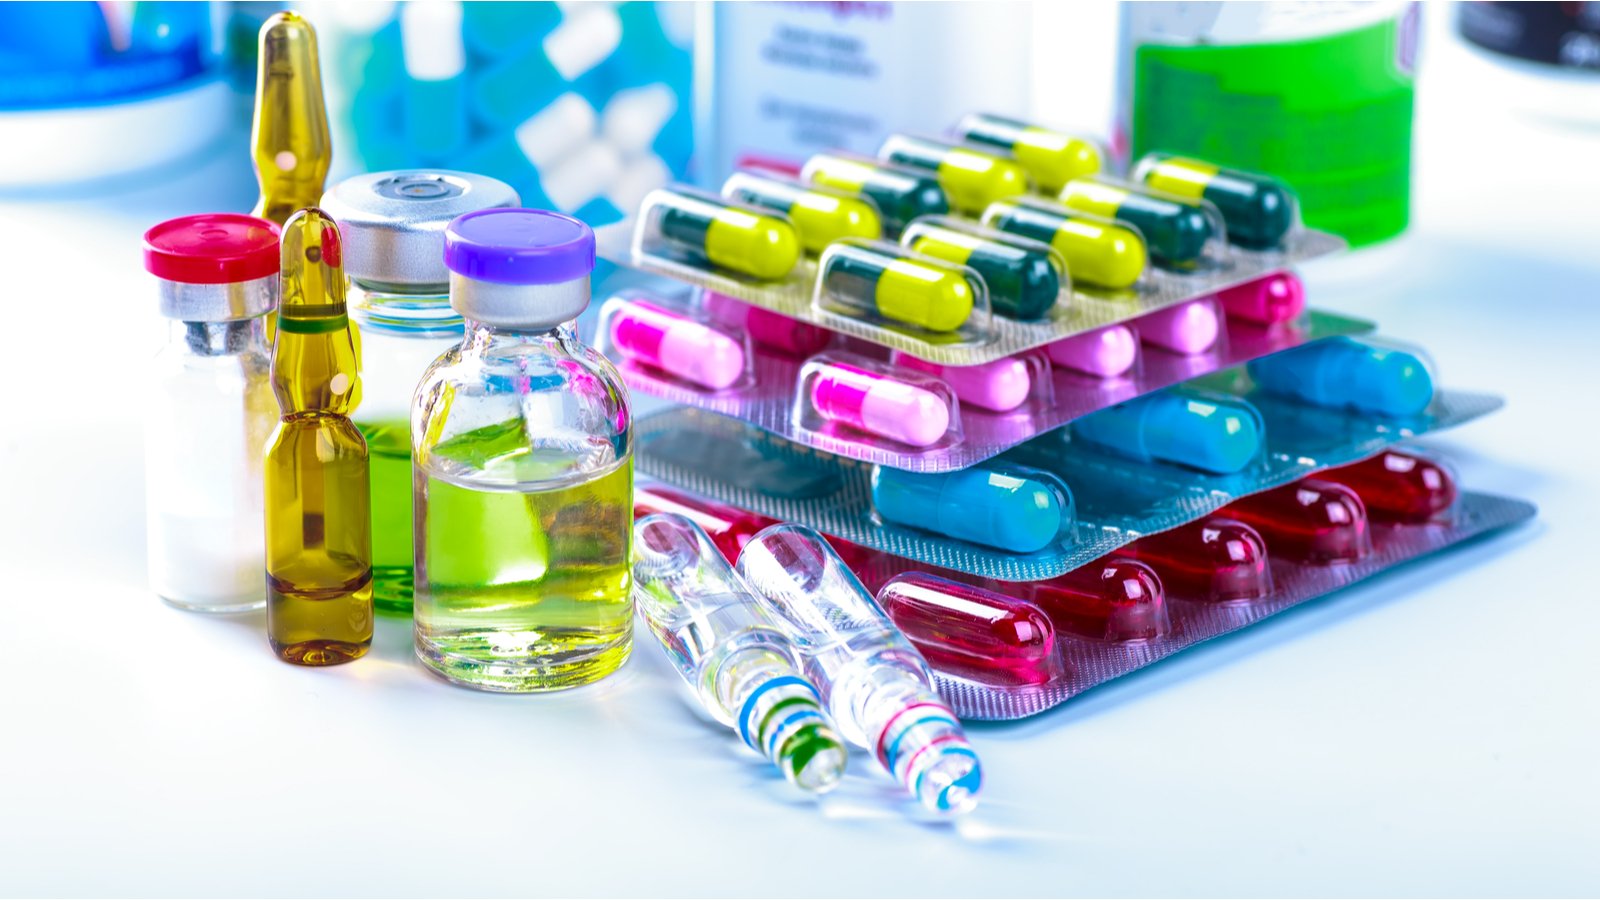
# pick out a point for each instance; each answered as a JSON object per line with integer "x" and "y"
{"x": 1432, "y": 732}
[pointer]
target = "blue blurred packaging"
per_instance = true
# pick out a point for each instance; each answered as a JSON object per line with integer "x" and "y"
{"x": 91, "y": 92}
{"x": 581, "y": 107}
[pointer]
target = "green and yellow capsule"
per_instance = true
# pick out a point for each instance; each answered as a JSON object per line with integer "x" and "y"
{"x": 971, "y": 178}
{"x": 1050, "y": 158}
{"x": 1258, "y": 210}
{"x": 899, "y": 194}
{"x": 1023, "y": 276}
{"x": 732, "y": 237}
{"x": 1097, "y": 252}
{"x": 1176, "y": 230}
{"x": 889, "y": 282}
{"x": 820, "y": 215}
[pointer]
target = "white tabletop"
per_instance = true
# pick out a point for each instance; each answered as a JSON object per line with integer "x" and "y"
{"x": 1433, "y": 731}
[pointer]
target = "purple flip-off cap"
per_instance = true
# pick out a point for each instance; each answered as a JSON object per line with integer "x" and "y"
{"x": 519, "y": 246}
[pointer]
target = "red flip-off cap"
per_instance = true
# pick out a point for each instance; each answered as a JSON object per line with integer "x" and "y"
{"x": 214, "y": 248}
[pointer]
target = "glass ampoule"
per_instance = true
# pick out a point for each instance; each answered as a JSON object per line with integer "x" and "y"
{"x": 210, "y": 409}
{"x": 522, "y": 441}
{"x": 393, "y": 225}
{"x": 289, "y": 132}
{"x": 876, "y": 685}
{"x": 742, "y": 668}
{"x": 319, "y": 526}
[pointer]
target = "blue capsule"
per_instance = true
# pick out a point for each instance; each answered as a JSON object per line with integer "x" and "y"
{"x": 1210, "y": 432}
{"x": 1347, "y": 374}
{"x": 996, "y": 504}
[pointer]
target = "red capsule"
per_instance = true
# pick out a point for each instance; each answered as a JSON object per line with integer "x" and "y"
{"x": 1311, "y": 521}
{"x": 1109, "y": 599}
{"x": 1399, "y": 487}
{"x": 971, "y": 631}
{"x": 728, "y": 527}
{"x": 1215, "y": 559}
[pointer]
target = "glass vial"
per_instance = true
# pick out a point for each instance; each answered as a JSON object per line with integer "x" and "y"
{"x": 393, "y": 225}
{"x": 210, "y": 410}
{"x": 319, "y": 525}
{"x": 522, "y": 441}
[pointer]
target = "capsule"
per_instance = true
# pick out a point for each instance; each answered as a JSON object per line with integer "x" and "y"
{"x": 1023, "y": 279}
{"x": 883, "y": 281}
{"x": 1257, "y": 210}
{"x": 1209, "y": 432}
{"x": 1110, "y": 599}
{"x": 1189, "y": 328}
{"x": 969, "y": 630}
{"x": 1310, "y": 521}
{"x": 1215, "y": 559}
{"x": 1175, "y": 230}
{"x": 996, "y": 504}
{"x": 676, "y": 345}
{"x": 767, "y": 328}
{"x": 900, "y": 194}
{"x": 1399, "y": 487}
{"x": 998, "y": 386}
{"x": 1107, "y": 352}
{"x": 1270, "y": 299}
{"x": 1343, "y": 373}
{"x": 972, "y": 179}
{"x": 732, "y": 237}
{"x": 880, "y": 405}
{"x": 728, "y": 527}
{"x": 1050, "y": 158}
{"x": 820, "y": 216}
{"x": 1097, "y": 252}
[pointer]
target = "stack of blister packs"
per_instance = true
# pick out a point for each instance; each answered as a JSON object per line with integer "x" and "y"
{"x": 1063, "y": 425}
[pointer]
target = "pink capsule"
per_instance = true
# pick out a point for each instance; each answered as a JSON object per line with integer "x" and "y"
{"x": 1109, "y": 599}
{"x": 1310, "y": 521}
{"x": 1107, "y": 352}
{"x": 1188, "y": 328}
{"x": 677, "y": 345}
{"x": 1001, "y": 385}
{"x": 1268, "y": 300}
{"x": 767, "y": 328}
{"x": 879, "y": 404}
{"x": 971, "y": 631}
{"x": 1215, "y": 559}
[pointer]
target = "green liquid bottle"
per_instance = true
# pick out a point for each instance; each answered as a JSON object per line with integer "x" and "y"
{"x": 393, "y": 225}
{"x": 522, "y": 438}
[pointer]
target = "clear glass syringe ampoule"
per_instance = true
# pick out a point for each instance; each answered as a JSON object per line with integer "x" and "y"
{"x": 875, "y": 684}
{"x": 719, "y": 637}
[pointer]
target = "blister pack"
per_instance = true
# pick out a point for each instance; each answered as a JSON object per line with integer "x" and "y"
{"x": 1050, "y": 505}
{"x": 865, "y": 402}
{"x": 1005, "y": 650}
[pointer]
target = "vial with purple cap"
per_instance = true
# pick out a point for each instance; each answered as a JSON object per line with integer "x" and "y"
{"x": 875, "y": 684}
{"x": 741, "y": 667}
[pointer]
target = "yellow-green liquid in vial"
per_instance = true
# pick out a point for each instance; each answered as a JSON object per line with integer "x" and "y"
{"x": 525, "y": 590}
{"x": 389, "y": 449}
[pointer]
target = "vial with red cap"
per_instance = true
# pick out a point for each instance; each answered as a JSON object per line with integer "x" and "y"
{"x": 210, "y": 410}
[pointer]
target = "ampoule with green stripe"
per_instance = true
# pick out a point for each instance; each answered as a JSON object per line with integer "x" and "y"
{"x": 740, "y": 665}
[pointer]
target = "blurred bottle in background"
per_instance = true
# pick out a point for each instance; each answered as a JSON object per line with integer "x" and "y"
{"x": 1550, "y": 52}
{"x": 581, "y": 107}
{"x": 782, "y": 81}
{"x": 95, "y": 92}
{"x": 1319, "y": 94}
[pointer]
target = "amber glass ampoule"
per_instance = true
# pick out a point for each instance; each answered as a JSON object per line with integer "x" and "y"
{"x": 319, "y": 521}
{"x": 289, "y": 134}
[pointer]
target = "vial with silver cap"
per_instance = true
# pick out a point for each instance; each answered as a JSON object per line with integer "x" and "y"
{"x": 209, "y": 410}
{"x": 875, "y": 684}
{"x": 393, "y": 226}
{"x": 522, "y": 441}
